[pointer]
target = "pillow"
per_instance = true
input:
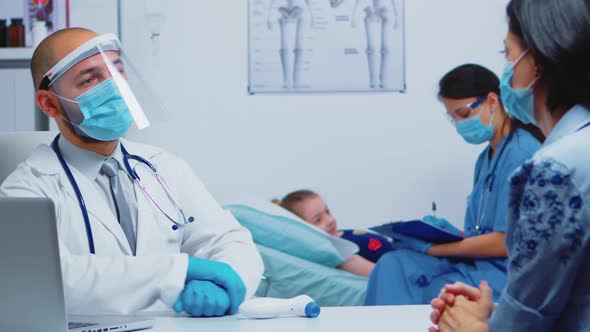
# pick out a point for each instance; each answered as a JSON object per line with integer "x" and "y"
{"x": 345, "y": 247}
{"x": 287, "y": 276}
{"x": 277, "y": 228}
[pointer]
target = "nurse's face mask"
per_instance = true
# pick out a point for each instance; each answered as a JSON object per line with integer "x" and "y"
{"x": 467, "y": 122}
{"x": 92, "y": 85}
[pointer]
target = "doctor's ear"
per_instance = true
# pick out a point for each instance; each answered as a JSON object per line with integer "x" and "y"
{"x": 48, "y": 103}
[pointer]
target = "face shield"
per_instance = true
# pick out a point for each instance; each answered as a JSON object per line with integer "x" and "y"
{"x": 100, "y": 90}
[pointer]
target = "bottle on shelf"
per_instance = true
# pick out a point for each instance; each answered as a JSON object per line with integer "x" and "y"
{"x": 39, "y": 32}
{"x": 16, "y": 33}
{"x": 3, "y": 33}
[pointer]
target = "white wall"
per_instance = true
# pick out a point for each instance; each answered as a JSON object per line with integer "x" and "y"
{"x": 375, "y": 157}
{"x": 100, "y": 16}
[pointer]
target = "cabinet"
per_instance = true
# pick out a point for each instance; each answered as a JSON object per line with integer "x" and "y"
{"x": 17, "y": 105}
{"x": 19, "y": 57}
{"x": 17, "y": 92}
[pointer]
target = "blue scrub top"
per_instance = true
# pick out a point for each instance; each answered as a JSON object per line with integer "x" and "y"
{"x": 411, "y": 277}
{"x": 495, "y": 174}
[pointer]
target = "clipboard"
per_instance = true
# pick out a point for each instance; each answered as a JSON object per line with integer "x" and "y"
{"x": 419, "y": 229}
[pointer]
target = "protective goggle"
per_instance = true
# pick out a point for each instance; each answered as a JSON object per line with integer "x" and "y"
{"x": 464, "y": 112}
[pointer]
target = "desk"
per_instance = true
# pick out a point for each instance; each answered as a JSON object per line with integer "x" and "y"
{"x": 337, "y": 319}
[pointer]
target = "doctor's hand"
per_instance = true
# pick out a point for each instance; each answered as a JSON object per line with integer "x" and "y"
{"x": 401, "y": 241}
{"x": 202, "y": 298}
{"x": 220, "y": 274}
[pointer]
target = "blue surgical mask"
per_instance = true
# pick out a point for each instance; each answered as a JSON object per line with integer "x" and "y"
{"x": 519, "y": 103}
{"x": 474, "y": 131}
{"x": 106, "y": 115}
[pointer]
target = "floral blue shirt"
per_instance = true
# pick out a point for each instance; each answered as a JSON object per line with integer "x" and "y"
{"x": 548, "y": 235}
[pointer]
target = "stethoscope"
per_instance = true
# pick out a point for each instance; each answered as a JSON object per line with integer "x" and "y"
{"x": 489, "y": 183}
{"x": 126, "y": 156}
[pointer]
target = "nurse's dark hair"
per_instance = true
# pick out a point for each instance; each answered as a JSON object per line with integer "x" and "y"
{"x": 468, "y": 80}
{"x": 476, "y": 81}
{"x": 291, "y": 200}
{"x": 557, "y": 33}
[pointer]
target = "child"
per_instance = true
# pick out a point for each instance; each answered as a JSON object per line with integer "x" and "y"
{"x": 310, "y": 207}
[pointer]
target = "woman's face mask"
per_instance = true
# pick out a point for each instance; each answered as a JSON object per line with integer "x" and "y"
{"x": 519, "y": 103}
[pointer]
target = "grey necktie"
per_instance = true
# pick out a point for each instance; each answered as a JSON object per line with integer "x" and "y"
{"x": 110, "y": 169}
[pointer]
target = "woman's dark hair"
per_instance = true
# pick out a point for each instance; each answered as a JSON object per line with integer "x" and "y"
{"x": 557, "y": 33}
{"x": 472, "y": 80}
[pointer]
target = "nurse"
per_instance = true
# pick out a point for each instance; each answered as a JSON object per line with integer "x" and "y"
{"x": 546, "y": 83}
{"x": 123, "y": 250}
{"x": 415, "y": 274}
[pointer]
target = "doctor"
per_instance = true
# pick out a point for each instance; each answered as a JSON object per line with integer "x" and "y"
{"x": 124, "y": 248}
{"x": 414, "y": 275}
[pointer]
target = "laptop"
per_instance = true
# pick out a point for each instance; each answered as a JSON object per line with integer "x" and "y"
{"x": 31, "y": 288}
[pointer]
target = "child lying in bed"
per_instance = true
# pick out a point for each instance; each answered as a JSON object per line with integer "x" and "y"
{"x": 310, "y": 207}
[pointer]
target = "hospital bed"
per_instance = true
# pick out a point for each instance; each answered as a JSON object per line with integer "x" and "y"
{"x": 298, "y": 257}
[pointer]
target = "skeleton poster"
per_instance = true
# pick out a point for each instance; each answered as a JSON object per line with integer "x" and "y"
{"x": 298, "y": 46}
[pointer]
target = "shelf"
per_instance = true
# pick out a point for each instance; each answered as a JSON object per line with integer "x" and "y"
{"x": 16, "y": 53}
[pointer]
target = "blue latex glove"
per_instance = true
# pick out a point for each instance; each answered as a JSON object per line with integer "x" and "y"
{"x": 220, "y": 274}
{"x": 401, "y": 241}
{"x": 442, "y": 223}
{"x": 202, "y": 298}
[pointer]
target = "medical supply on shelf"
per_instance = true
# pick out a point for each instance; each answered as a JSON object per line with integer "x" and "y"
{"x": 3, "y": 33}
{"x": 39, "y": 32}
{"x": 268, "y": 307}
{"x": 16, "y": 33}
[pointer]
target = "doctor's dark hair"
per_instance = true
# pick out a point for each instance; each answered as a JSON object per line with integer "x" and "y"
{"x": 291, "y": 200}
{"x": 557, "y": 33}
{"x": 476, "y": 81}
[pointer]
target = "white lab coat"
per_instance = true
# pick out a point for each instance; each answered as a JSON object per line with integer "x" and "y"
{"x": 113, "y": 281}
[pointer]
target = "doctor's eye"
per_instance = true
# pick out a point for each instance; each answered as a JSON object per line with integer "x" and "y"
{"x": 87, "y": 82}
